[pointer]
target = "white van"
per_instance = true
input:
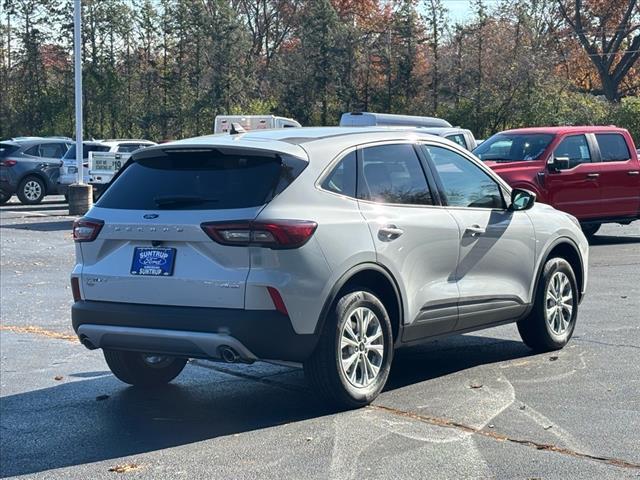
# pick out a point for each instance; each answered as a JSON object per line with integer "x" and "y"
{"x": 369, "y": 119}
{"x": 252, "y": 122}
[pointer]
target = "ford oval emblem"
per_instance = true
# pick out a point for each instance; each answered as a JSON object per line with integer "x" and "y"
{"x": 150, "y": 216}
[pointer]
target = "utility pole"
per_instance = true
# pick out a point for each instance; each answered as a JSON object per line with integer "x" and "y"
{"x": 80, "y": 194}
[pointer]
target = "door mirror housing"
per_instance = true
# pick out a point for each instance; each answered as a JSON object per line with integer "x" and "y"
{"x": 557, "y": 164}
{"x": 521, "y": 199}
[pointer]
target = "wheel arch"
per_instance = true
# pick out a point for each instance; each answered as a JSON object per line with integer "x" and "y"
{"x": 565, "y": 248}
{"x": 376, "y": 278}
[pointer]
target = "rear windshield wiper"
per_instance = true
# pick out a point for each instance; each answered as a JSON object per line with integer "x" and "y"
{"x": 171, "y": 200}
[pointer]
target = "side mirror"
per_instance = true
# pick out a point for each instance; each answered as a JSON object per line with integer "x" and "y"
{"x": 557, "y": 164}
{"x": 521, "y": 199}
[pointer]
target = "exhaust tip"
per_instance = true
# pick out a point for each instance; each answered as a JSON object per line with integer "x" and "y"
{"x": 228, "y": 354}
{"x": 87, "y": 343}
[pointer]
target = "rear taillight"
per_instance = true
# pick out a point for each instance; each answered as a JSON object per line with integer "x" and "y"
{"x": 75, "y": 289}
{"x": 277, "y": 234}
{"x": 8, "y": 163}
{"x": 86, "y": 229}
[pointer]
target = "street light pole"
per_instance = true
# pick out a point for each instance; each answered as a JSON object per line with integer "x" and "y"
{"x": 80, "y": 194}
{"x": 77, "y": 50}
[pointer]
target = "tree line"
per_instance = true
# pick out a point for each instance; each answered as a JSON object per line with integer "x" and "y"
{"x": 163, "y": 69}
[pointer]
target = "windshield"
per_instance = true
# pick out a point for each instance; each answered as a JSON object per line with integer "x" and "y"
{"x": 71, "y": 153}
{"x": 513, "y": 147}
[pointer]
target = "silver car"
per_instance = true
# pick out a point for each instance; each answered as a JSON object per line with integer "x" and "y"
{"x": 326, "y": 247}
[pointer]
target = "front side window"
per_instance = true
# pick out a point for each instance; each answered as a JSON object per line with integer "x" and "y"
{"x": 464, "y": 184}
{"x": 393, "y": 174}
{"x": 575, "y": 148}
{"x": 613, "y": 147}
{"x": 342, "y": 179}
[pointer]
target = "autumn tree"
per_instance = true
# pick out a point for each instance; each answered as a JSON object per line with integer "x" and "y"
{"x": 609, "y": 34}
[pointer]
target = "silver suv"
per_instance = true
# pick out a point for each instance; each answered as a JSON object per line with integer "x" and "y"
{"x": 329, "y": 247}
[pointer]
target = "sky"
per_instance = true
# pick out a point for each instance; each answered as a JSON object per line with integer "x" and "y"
{"x": 460, "y": 10}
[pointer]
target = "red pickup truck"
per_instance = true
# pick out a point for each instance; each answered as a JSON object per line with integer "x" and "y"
{"x": 592, "y": 173}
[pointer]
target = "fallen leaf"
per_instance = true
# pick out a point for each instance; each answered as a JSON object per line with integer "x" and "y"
{"x": 125, "y": 467}
{"x": 58, "y": 377}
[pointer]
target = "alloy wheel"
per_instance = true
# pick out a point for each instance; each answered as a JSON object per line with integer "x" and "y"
{"x": 559, "y": 303}
{"x": 361, "y": 347}
{"x": 32, "y": 190}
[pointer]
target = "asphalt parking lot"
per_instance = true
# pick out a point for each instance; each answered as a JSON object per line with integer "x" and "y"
{"x": 472, "y": 406}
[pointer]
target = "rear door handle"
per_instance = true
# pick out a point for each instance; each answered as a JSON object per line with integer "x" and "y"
{"x": 633, "y": 172}
{"x": 475, "y": 230}
{"x": 387, "y": 233}
{"x": 593, "y": 175}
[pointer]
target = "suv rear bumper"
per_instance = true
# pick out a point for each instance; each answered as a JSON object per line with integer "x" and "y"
{"x": 190, "y": 331}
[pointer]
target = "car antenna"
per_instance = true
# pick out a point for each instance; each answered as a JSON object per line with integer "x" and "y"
{"x": 236, "y": 129}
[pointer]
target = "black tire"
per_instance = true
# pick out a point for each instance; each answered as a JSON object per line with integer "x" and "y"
{"x": 324, "y": 368}
{"x": 535, "y": 330}
{"x": 590, "y": 229}
{"x": 132, "y": 368}
{"x": 31, "y": 190}
{"x": 4, "y": 198}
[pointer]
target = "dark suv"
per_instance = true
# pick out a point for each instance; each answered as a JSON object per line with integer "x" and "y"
{"x": 30, "y": 168}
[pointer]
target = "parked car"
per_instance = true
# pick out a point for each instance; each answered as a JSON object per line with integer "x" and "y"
{"x": 461, "y": 136}
{"x": 432, "y": 125}
{"x": 29, "y": 167}
{"x": 69, "y": 168}
{"x": 331, "y": 247}
{"x": 104, "y": 165}
{"x": 591, "y": 172}
{"x": 222, "y": 123}
{"x": 371, "y": 119}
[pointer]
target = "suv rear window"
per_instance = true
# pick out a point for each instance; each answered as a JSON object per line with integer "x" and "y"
{"x": 7, "y": 149}
{"x": 200, "y": 181}
{"x": 71, "y": 153}
{"x": 613, "y": 147}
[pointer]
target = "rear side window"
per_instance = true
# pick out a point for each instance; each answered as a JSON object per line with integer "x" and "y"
{"x": 52, "y": 150}
{"x": 7, "y": 149}
{"x": 393, "y": 174}
{"x": 613, "y": 147}
{"x": 458, "y": 138}
{"x": 342, "y": 179}
{"x": 200, "y": 181}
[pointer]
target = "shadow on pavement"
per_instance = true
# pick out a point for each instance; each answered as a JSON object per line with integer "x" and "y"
{"x": 612, "y": 240}
{"x": 55, "y": 226}
{"x": 41, "y": 207}
{"x": 73, "y": 424}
